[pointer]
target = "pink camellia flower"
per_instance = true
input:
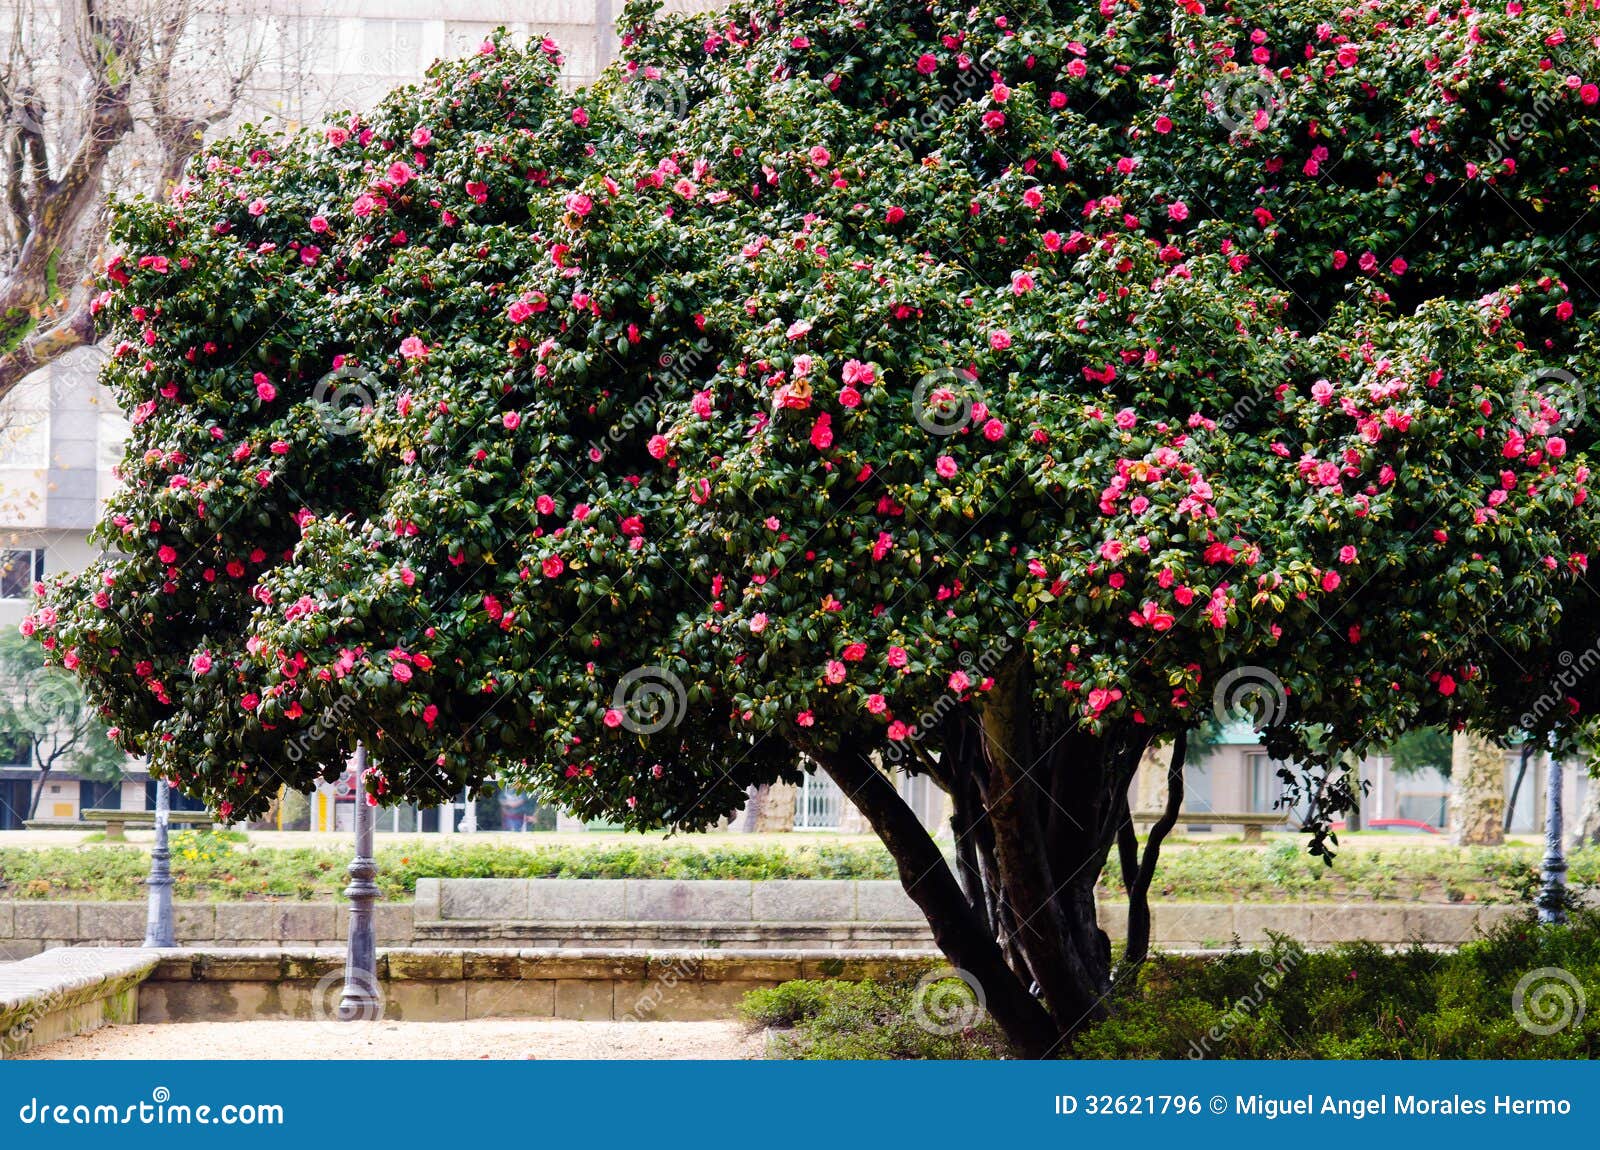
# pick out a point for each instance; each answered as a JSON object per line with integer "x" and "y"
{"x": 1331, "y": 581}
{"x": 822, "y": 432}
{"x": 1347, "y": 554}
{"x": 798, "y": 329}
{"x": 805, "y": 719}
{"x": 1347, "y": 56}
{"x": 1000, "y": 339}
{"x": 1178, "y": 212}
{"x": 959, "y": 681}
{"x": 994, "y": 430}
{"x": 834, "y": 672}
{"x": 1555, "y": 447}
{"x": 883, "y": 545}
{"x": 412, "y": 347}
{"x": 658, "y": 446}
{"x": 336, "y": 136}
{"x": 1163, "y": 125}
{"x": 894, "y": 215}
{"x": 258, "y": 207}
{"x": 264, "y": 388}
{"x": 613, "y": 717}
{"x": 422, "y": 137}
{"x": 250, "y": 701}
{"x": 758, "y": 623}
{"x": 946, "y": 467}
{"x": 579, "y": 204}
{"x": 512, "y": 420}
{"x": 897, "y": 731}
{"x": 1398, "y": 266}
{"x": 849, "y": 397}
{"x": 310, "y": 254}
{"x": 401, "y": 673}
{"x": 400, "y": 173}
{"x": 553, "y": 566}
{"x": 927, "y": 63}
{"x": 1447, "y": 685}
{"x": 896, "y": 657}
{"x": 319, "y": 224}
{"x": 167, "y": 555}
{"x": 1564, "y": 310}
{"x": 819, "y": 156}
{"x": 877, "y": 704}
{"x": 201, "y": 662}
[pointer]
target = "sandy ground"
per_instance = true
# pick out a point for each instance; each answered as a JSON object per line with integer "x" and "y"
{"x": 487, "y": 1038}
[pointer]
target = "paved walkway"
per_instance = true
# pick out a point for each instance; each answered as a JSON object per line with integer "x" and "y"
{"x": 488, "y": 1038}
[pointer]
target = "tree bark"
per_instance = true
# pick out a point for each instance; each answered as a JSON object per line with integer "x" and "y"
{"x": 1477, "y": 792}
{"x": 960, "y": 933}
{"x": 1137, "y": 873}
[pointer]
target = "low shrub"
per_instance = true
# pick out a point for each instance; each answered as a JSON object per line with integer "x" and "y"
{"x": 1521, "y": 992}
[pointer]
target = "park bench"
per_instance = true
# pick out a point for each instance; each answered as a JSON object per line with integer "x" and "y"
{"x": 1253, "y": 822}
{"x": 116, "y": 822}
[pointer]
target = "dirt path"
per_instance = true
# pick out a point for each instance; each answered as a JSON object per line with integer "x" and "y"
{"x": 488, "y": 1038}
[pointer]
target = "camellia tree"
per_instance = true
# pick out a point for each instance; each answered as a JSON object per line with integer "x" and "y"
{"x": 984, "y": 391}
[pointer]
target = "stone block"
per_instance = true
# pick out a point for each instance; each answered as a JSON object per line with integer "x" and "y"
{"x": 577, "y": 900}
{"x": 804, "y": 900}
{"x": 46, "y": 920}
{"x": 240, "y": 966}
{"x": 883, "y": 900}
{"x": 484, "y": 899}
{"x": 576, "y": 964}
{"x": 511, "y": 998}
{"x": 246, "y": 920}
{"x": 426, "y": 900}
{"x": 492, "y": 964}
{"x": 304, "y": 922}
{"x": 122, "y": 923}
{"x": 584, "y": 999}
{"x": 7, "y": 920}
{"x": 1450, "y": 924}
{"x": 1498, "y": 914}
{"x": 392, "y": 922}
{"x": 194, "y": 922}
{"x": 1113, "y": 918}
{"x": 1191, "y": 924}
{"x": 430, "y": 966}
{"x": 1255, "y": 922}
{"x": 1348, "y": 921}
{"x": 670, "y": 900}
{"x": 415, "y": 1001}
{"x": 878, "y": 966}
{"x": 778, "y": 966}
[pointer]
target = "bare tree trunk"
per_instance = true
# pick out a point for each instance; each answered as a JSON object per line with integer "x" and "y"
{"x": 1477, "y": 792}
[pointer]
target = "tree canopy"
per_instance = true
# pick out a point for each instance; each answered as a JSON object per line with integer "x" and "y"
{"x": 975, "y": 388}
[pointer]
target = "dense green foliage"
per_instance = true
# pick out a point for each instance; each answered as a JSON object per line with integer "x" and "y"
{"x": 208, "y": 867}
{"x": 826, "y": 358}
{"x": 1352, "y": 1001}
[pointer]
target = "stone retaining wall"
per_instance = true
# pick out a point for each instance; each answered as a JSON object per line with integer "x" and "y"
{"x": 451, "y": 985}
{"x": 645, "y": 914}
{"x": 67, "y": 992}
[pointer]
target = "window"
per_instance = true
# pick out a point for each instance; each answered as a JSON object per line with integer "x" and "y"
{"x": 1263, "y": 787}
{"x": 19, "y": 571}
{"x": 390, "y": 47}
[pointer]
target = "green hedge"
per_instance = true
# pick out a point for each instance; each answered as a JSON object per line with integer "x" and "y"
{"x": 1353, "y": 1001}
{"x": 210, "y": 867}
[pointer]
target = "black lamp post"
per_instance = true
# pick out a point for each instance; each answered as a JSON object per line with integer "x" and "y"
{"x": 158, "y": 918}
{"x": 360, "y": 999}
{"x": 1553, "y": 891}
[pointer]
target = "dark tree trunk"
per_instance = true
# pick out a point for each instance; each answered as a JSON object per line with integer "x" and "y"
{"x": 1037, "y": 805}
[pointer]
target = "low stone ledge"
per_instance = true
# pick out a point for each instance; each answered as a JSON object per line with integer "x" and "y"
{"x": 69, "y": 991}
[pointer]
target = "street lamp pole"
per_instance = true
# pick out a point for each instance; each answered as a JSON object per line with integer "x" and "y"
{"x": 1553, "y": 892}
{"x": 360, "y": 1000}
{"x": 158, "y": 916}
